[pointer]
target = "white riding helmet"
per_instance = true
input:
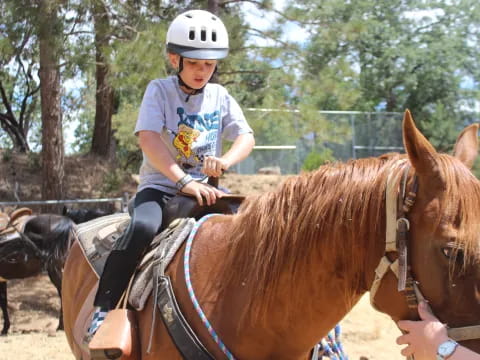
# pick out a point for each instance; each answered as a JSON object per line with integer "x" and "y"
{"x": 198, "y": 34}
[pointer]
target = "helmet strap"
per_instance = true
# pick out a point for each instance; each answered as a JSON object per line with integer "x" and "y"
{"x": 182, "y": 83}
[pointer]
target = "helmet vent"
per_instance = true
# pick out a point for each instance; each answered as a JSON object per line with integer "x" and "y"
{"x": 203, "y": 35}
{"x": 189, "y": 16}
{"x": 214, "y": 36}
{"x": 191, "y": 34}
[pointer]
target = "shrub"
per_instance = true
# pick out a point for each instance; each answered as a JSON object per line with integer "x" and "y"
{"x": 315, "y": 159}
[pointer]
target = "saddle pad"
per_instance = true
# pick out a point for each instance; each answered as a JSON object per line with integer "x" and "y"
{"x": 97, "y": 237}
{"x": 161, "y": 251}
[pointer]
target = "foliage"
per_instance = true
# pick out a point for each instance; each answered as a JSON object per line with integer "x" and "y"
{"x": 34, "y": 161}
{"x": 364, "y": 55}
{"x": 113, "y": 181}
{"x": 18, "y": 64}
{"x": 315, "y": 159}
{"x": 6, "y": 155}
{"x": 369, "y": 55}
{"x": 124, "y": 124}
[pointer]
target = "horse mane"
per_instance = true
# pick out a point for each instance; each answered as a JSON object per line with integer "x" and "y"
{"x": 335, "y": 211}
{"x": 279, "y": 232}
{"x": 60, "y": 240}
{"x": 83, "y": 214}
{"x": 55, "y": 242}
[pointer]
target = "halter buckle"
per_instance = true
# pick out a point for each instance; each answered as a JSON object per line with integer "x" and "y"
{"x": 405, "y": 220}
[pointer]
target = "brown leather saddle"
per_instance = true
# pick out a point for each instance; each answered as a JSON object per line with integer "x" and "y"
{"x": 10, "y": 222}
{"x": 184, "y": 206}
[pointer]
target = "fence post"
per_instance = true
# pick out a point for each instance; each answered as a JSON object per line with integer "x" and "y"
{"x": 125, "y": 200}
{"x": 354, "y": 145}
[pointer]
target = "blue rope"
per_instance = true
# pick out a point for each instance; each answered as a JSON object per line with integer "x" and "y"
{"x": 331, "y": 346}
{"x": 186, "y": 264}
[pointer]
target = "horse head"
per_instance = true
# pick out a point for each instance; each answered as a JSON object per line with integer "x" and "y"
{"x": 443, "y": 257}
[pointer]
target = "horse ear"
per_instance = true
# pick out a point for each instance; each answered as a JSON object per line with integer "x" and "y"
{"x": 421, "y": 153}
{"x": 466, "y": 147}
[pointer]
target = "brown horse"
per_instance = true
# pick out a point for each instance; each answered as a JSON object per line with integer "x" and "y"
{"x": 277, "y": 276}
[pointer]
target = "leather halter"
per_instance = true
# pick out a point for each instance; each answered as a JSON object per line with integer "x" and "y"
{"x": 397, "y": 206}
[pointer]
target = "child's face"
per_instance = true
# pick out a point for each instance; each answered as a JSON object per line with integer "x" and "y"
{"x": 195, "y": 73}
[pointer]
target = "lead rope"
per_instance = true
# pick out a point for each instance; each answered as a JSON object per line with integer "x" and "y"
{"x": 196, "y": 305}
{"x": 331, "y": 346}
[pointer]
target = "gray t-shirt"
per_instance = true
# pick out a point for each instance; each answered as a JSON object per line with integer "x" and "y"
{"x": 192, "y": 127}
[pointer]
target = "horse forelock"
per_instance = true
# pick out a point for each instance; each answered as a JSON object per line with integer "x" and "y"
{"x": 334, "y": 211}
{"x": 462, "y": 206}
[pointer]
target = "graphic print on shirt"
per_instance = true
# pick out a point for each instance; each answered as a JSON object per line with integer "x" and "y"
{"x": 183, "y": 141}
{"x": 196, "y": 137}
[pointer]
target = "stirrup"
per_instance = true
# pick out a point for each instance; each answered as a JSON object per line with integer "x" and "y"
{"x": 98, "y": 348}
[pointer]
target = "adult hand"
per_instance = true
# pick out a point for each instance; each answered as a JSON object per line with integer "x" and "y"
{"x": 422, "y": 337}
{"x": 214, "y": 166}
{"x": 203, "y": 191}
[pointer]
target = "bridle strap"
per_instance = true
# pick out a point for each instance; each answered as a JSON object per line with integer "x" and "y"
{"x": 464, "y": 333}
{"x": 393, "y": 201}
{"x": 397, "y": 205}
{"x": 396, "y": 241}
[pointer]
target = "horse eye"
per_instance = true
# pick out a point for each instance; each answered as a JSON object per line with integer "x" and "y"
{"x": 447, "y": 252}
{"x": 453, "y": 253}
{"x": 12, "y": 260}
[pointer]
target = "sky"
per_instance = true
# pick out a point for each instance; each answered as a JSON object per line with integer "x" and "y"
{"x": 262, "y": 20}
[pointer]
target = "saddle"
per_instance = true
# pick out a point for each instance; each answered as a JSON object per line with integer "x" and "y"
{"x": 98, "y": 236}
{"x": 186, "y": 206}
{"x": 14, "y": 221}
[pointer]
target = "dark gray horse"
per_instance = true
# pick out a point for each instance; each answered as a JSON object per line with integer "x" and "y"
{"x": 43, "y": 245}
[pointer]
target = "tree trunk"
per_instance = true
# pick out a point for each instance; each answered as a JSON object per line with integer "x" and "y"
{"x": 16, "y": 135}
{"x": 14, "y": 129}
{"x": 212, "y": 6}
{"x": 102, "y": 132}
{"x": 50, "y": 37}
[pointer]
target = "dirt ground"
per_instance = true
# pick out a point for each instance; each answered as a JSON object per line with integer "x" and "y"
{"x": 34, "y": 304}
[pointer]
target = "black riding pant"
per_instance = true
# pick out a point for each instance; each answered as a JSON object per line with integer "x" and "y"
{"x": 129, "y": 248}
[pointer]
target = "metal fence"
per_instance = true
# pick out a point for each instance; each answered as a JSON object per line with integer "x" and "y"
{"x": 118, "y": 204}
{"x": 285, "y": 138}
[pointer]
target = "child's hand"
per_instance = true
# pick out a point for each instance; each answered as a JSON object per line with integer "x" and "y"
{"x": 214, "y": 166}
{"x": 203, "y": 192}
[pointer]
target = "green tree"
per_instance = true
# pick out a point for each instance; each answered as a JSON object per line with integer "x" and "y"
{"x": 19, "y": 89}
{"x": 392, "y": 55}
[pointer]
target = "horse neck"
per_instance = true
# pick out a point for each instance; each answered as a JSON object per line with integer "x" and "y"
{"x": 52, "y": 234}
{"x": 322, "y": 298}
{"x": 335, "y": 271}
